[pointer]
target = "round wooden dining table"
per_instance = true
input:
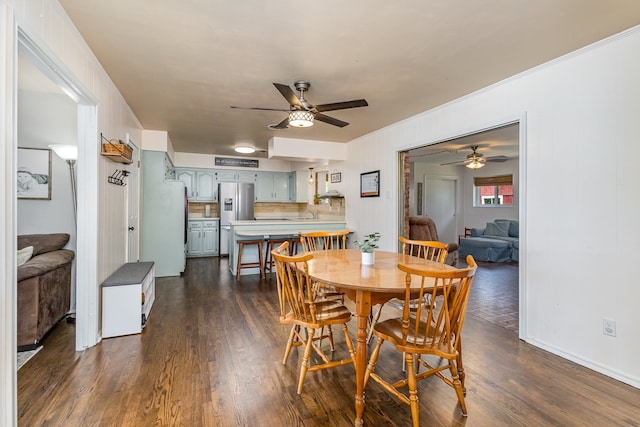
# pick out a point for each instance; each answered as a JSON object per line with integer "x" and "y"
{"x": 365, "y": 285}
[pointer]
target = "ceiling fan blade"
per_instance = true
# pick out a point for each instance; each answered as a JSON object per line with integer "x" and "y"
{"x": 453, "y": 163}
{"x": 330, "y": 120}
{"x": 282, "y": 125}
{"x": 288, "y": 94}
{"x": 342, "y": 105}
{"x": 259, "y": 108}
{"x": 497, "y": 159}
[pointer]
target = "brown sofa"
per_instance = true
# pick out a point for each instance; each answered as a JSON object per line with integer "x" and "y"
{"x": 423, "y": 228}
{"x": 44, "y": 286}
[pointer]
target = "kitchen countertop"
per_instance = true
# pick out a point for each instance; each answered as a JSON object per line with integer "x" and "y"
{"x": 283, "y": 221}
{"x": 198, "y": 218}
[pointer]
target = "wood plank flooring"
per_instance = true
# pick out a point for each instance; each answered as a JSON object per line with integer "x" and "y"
{"x": 211, "y": 356}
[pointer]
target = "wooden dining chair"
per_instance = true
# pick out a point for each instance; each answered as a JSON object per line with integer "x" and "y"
{"x": 300, "y": 309}
{"x": 430, "y": 331}
{"x": 319, "y": 241}
{"x": 426, "y": 249}
{"x": 323, "y": 240}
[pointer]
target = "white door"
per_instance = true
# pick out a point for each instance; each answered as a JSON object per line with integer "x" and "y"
{"x": 440, "y": 205}
{"x": 133, "y": 206}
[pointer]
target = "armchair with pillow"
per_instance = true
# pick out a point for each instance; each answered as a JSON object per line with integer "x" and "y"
{"x": 497, "y": 242}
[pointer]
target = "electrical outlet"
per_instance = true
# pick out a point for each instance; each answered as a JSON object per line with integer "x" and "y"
{"x": 609, "y": 327}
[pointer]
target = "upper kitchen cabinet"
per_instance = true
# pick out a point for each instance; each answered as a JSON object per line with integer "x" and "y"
{"x": 300, "y": 186}
{"x": 273, "y": 187}
{"x": 201, "y": 184}
{"x": 228, "y": 175}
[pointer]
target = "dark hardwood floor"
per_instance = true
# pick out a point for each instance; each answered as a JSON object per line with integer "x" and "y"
{"x": 211, "y": 356}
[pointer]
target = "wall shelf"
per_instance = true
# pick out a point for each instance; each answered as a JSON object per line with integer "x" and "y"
{"x": 115, "y": 151}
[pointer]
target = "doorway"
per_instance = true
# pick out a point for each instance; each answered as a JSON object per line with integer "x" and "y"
{"x": 436, "y": 177}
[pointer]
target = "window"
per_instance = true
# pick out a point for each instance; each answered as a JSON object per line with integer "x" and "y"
{"x": 493, "y": 191}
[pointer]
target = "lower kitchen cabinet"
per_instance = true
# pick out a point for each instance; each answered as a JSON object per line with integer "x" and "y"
{"x": 202, "y": 238}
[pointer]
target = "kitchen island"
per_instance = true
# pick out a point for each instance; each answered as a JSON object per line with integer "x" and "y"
{"x": 266, "y": 229}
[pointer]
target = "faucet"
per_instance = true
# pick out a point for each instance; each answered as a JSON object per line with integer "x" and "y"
{"x": 313, "y": 214}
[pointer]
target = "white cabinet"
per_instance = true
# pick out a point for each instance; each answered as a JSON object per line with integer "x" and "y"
{"x": 188, "y": 177}
{"x": 229, "y": 175}
{"x": 127, "y": 298}
{"x": 202, "y": 238}
{"x": 300, "y": 187}
{"x": 207, "y": 189}
{"x": 273, "y": 187}
{"x": 201, "y": 184}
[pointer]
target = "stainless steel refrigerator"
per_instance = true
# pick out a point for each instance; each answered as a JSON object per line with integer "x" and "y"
{"x": 235, "y": 201}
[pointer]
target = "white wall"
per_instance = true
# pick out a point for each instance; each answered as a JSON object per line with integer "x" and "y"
{"x": 102, "y": 223}
{"x": 579, "y": 136}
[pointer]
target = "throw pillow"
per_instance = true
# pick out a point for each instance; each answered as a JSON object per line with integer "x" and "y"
{"x": 514, "y": 229}
{"x": 24, "y": 255}
{"x": 493, "y": 229}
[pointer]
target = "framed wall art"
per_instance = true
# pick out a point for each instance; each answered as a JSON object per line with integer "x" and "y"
{"x": 34, "y": 173}
{"x": 336, "y": 177}
{"x": 370, "y": 184}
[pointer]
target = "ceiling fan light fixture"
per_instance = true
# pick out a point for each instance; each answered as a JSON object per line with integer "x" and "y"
{"x": 301, "y": 119}
{"x": 244, "y": 149}
{"x": 475, "y": 164}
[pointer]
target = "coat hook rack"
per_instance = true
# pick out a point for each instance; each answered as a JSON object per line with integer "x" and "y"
{"x": 118, "y": 177}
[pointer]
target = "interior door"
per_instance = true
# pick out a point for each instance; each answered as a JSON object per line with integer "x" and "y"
{"x": 440, "y": 205}
{"x": 133, "y": 206}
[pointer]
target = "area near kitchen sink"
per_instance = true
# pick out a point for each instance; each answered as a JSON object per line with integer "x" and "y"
{"x": 264, "y": 229}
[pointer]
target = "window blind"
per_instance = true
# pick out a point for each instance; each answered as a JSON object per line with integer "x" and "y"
{"x": 493, "y": 180}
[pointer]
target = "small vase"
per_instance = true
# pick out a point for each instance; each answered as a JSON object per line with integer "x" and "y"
{"x": 368, "y": 258}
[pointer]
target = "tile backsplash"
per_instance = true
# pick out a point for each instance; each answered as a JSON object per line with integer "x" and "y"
{"x": 332, "y": 209}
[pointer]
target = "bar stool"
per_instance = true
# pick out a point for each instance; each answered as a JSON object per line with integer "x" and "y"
{"x": 294, "y": 243}
{"x": 268, "y": 259}
{"x": 241, "y": 265}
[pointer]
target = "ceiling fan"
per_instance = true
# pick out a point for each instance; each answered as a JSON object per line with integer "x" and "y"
{"x": 477, "y": 160}
{"x": 301, "y": 112}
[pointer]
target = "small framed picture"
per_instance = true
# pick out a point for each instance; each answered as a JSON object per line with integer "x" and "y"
{"x": 34, "y": 173}
{"x": 336, "y": 177}
{"x": 370, "y": 184}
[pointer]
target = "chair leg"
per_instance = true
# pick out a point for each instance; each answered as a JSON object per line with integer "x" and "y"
{"x": 287, "y": 350}
{"x": 413, "y": 391}
{"x": 457, "y": 385}
{"x": 373, "y": 322}
{"x": 460, "y": 367}
{"x": 330, "y": 336}
{"x": 372, "y": 361}
{"x": 305, "y": 359}
{"x": 347, "y": 338}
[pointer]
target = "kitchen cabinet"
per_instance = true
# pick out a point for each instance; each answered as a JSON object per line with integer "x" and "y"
{"x": 202, "y": 238}
{"x": 201, "y": 184}
{"x": 230, "y": 175}
{"x": 300, "y": 186}
{"x": 273, "y": 187}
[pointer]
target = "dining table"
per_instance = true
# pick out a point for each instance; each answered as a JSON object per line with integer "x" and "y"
{"x": 366, "y": 286}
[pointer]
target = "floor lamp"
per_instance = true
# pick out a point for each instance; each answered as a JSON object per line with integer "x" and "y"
{"x": 69, "y": 153}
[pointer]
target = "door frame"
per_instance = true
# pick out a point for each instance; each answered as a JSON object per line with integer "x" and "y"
{"x": 403, "y": 194}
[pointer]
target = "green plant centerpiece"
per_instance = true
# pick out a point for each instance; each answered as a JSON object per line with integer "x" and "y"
{"x": 366, "y": 246}
{"x": 369, "y": 243}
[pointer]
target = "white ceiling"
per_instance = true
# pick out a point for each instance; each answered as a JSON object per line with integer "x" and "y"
{"x": 181, "y": 64}
{"x": 496, "y": 143}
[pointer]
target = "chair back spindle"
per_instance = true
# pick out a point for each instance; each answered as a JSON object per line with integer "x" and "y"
{"x": 323, "y": 240}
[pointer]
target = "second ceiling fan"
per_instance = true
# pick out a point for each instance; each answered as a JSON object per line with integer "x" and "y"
{"x": 477, "y": 160}
{"x": 301, "y": 112}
